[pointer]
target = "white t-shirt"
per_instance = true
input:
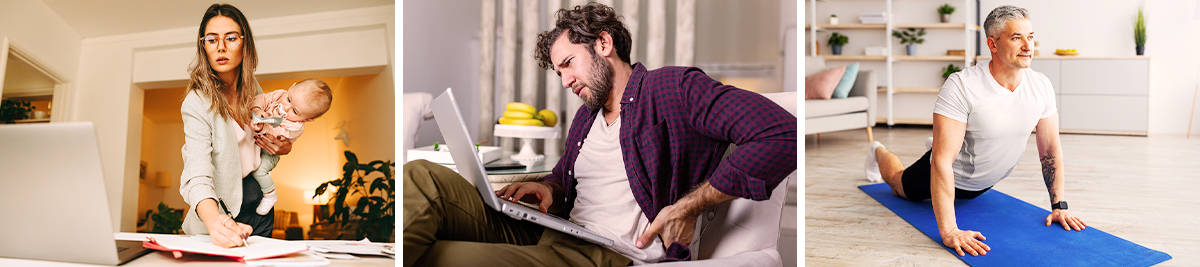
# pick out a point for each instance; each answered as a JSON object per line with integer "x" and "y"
{"x": 998, "y": 121}
{"x": 605, "y": 203}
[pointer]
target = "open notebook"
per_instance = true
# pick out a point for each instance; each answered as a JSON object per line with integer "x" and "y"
{"x": 258, "y": 248}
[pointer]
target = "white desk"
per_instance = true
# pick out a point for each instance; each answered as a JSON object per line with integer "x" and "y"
{"x": 163, "y": 258}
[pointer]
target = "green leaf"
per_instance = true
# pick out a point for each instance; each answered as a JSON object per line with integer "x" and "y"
{"x": 320, "y": 189}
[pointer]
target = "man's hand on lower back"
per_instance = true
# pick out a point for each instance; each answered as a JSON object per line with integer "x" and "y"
{"x": 674, "y": 223}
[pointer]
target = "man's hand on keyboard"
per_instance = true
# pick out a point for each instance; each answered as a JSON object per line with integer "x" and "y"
{"x": 530, "y": 192}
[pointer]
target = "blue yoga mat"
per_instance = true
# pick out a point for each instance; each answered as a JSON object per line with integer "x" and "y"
{"x": 1017, "y": 233}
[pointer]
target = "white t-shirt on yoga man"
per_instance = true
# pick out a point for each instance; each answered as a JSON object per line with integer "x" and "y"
{"x": 999, "y": 121}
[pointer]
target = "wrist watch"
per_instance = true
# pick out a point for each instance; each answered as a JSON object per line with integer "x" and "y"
{"x": 1061, "y": 205}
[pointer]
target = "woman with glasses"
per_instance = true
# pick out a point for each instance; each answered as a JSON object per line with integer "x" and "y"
{"x": 220, "y": 151}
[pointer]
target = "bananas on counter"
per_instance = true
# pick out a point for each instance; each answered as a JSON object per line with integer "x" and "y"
{"x": 517, "y": 113}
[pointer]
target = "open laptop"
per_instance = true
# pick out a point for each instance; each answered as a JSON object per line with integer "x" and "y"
{"x": 53, "y": 197}
{"x": 454, "y": 130}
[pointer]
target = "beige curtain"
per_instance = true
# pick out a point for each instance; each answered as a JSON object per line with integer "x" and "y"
{"x": 516, "y": 55}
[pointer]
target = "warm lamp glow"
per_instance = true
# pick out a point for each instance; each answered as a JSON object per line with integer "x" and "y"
{"x": 321, "y": 200}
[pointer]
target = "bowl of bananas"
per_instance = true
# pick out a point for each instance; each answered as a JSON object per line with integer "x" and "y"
{"x": 523, "y": 121}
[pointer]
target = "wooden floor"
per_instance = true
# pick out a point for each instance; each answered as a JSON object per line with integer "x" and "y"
{"x": 1146, "y": 190}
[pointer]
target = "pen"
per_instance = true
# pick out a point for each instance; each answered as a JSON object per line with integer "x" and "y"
{"x": 226, "y": 208}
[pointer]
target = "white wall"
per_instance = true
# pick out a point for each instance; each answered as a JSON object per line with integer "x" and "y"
{"x": 106, "y": 94}
{"x": 1105, "y": 28}
{"x": 52, "y": 42}
{"x": 1096, "y": 28}
{"x": 1172, "y": 32}
{"x": 441, "y": 50}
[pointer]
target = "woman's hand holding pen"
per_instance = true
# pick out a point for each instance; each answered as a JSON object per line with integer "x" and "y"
{"x": 229, "y": 233}
{"x": 224, "y": 231}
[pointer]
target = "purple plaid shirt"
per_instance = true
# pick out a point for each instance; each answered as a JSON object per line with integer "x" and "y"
{"x": 676, "y": 125}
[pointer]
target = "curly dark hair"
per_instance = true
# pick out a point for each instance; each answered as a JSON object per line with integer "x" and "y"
{"x": 583, "y": 25}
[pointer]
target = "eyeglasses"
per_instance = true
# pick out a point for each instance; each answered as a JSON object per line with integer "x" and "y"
{"x": 230, "y": 39}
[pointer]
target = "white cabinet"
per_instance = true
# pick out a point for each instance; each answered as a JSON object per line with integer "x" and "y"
{"x": 1103, "y": 113}
{"x": 1099, "y": 95}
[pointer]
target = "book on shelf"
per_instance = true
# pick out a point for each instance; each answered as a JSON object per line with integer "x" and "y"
{"x": 873, "y": 18}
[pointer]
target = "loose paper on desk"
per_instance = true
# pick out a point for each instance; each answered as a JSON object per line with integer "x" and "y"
{"x": 362, "y": 247}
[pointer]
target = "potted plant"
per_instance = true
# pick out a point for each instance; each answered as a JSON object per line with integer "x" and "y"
{"x": 949, "y": 69}
{"x": 910, "y": 38}
{"x": 363, "y": 205}
{"x": 14, "y": 110}
{"x": 1139, "y": 34}
{"x": 836, "y": 41}
{"x": 945, "y": 10}
{"x": 165, "y": 220}
{"x": 833, "y": 19}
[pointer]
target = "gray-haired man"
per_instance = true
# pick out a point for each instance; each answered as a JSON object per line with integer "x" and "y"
{"x": 981, "y": 121}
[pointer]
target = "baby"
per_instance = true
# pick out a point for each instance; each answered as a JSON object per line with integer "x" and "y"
{"x": 283, "y": 113}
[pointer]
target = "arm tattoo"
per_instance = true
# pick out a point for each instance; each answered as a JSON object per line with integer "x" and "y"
{"x": 1048, "y": 172}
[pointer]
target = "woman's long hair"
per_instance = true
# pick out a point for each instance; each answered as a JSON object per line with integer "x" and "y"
{"x": 206, "y": 83}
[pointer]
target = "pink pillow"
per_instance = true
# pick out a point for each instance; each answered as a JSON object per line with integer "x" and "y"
{"x": 820, "y": 85}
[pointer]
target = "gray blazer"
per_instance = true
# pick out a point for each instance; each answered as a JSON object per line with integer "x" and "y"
{"x": 211, "y": 162}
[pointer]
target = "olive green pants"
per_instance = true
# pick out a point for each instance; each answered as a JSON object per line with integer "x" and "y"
{"x": 446, "y": 223}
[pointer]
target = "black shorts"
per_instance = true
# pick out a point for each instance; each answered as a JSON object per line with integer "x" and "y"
{"x": 916, "y": 182}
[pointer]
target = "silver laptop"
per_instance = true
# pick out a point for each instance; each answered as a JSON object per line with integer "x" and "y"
{"x": 454, "y": 130}
{"x": 53, "y": 199}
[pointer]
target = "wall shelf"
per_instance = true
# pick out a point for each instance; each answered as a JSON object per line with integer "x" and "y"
{"x": 910, "y": 90}
{"x": 984, "y": 58}
{"x": 931, "y": 26}
{"x": 822, "y": 27}
{"x": 887, "y": 75}
{"x": 856, "y": 58}
{"x": 931, "y": 58}
{"x": 32, "y": 120}
{"x": 938, "y": 26}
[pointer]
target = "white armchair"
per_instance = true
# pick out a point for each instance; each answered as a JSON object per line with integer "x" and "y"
{"x": 744, "y": 232}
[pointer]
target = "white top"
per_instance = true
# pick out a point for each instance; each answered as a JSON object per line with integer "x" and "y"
{"x": 998, "y": 121}
{"x": 605, "y": 203}
{"x": 247, "y": 149}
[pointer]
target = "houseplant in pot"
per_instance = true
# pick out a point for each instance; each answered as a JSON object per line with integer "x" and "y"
{"x": 164, "y": 220}
{"x": 833, "y": 19}
{"x": 1139, "y": 33}
{"x": 14, "y": 110}
{"x": 945, "y": 10}
{"x": 364, "y": 200}
{"x": 949, "y": 69}
{"x": 836, "y": 41}
{"x": 910, "y": 37}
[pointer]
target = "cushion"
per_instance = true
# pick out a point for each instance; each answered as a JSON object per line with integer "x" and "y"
{"x": 821, "y": 85}
{"x": 847, "y": 82}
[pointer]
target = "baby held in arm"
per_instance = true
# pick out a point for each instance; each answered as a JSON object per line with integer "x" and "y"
{"x": 283, "y": 113}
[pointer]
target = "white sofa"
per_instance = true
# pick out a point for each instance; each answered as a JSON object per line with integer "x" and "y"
{"x": 853, "y": 112}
